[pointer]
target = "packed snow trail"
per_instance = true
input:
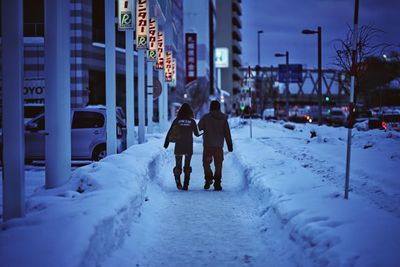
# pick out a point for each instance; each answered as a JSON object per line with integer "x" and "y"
{"x": 198, "y": 227}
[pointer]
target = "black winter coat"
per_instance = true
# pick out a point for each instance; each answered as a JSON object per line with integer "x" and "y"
{"x": 216, "y": 129}
{"x": 187, "y": 127}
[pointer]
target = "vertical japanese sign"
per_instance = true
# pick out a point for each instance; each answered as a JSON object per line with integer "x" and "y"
{"x": 191, "y": 56}
{"x": 125, "y": 15}
{"x": 142, "y": 21}
{"x": 160, "y": 51}
{"x": 173, "y": 82}
{"x": 168, "y": 66}
{"x": 152, "y": 50}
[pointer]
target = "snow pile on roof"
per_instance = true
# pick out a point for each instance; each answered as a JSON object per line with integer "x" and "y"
{"x": 300, "y": 180}
{"x": 84, "y": 220}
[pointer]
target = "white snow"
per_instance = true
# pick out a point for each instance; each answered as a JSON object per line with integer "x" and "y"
{"x": 281, "y": 205}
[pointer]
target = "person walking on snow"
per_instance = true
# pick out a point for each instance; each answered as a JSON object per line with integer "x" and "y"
{"x": 181, "y": 132}
{"x": 216, "y": 129}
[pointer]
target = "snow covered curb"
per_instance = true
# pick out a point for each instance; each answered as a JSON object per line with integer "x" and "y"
{"x": 81, "y": 222}
{"x": 329, "y": 229}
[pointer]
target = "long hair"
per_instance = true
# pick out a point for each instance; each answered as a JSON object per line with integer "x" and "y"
{"x": 185, "y": 112}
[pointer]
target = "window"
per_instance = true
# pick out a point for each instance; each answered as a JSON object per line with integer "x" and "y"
{"x": 85, "y": 119}
{"x": 34, "y": 18}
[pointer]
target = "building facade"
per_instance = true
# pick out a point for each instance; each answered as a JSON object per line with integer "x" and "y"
{"x": 87, "y": 31}
{"x": 228, "y": 34}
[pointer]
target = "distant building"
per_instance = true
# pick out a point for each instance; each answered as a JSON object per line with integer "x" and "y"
{"x": 87, "y": 31}
{"x": 228, "y": 34}
{"x": 199, "y": 26}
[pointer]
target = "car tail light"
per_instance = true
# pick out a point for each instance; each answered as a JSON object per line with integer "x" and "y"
{"x": 384, "y": 125}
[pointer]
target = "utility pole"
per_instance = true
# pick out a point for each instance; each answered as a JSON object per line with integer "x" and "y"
{"x": 319, "y": 76}
{"x": 351, "y": 102}
{"x": 287, "y": 83}
{"x": 13, "y": 112}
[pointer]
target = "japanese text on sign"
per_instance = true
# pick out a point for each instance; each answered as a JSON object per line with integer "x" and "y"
{"x": 191, "y": 57}
{"x": 160, "y": 51}
{"x": 152, "y": 50}
{"x": 125, "y": 15}
{"x": 168, "y": 66}
{"x": 141, "y": 24}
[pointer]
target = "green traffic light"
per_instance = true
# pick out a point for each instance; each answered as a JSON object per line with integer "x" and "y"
{"x": 241, "y": 108}
{"x": 327, "y": 98}
{"x": 329, "y": 111}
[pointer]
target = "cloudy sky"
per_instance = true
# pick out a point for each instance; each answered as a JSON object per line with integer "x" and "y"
{"x": 283, "y": 20}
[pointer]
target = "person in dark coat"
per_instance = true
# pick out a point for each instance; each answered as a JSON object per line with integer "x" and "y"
{"x": 216, "y": 130}
{"x": 186, "y": 126}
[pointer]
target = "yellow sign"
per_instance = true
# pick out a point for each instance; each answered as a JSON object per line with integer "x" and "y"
{"x": 152, "y": 50}
{"x": 160, "y": 51}
{"x": 142, "y": 21}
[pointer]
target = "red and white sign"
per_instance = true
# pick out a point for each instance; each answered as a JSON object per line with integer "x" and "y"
{"x": 168, "y": 66}
{"x": 160, "y": 51}
{"x": 142, "y": 24}
{"x": 191, "y": 57}
{"x": 152, "y": 50}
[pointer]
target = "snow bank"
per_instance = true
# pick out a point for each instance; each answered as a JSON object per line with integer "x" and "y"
{"x": 82, "y": 222}
{"x": 288, "y": 174}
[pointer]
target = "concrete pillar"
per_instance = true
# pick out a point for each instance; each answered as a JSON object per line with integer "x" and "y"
{"x": 130, "y": 88}
{"x": 141, "y": 96}
{"x": 111, "y": 126}
{"x": 58, "y": 92}
{"x": 150, "y": 97}
{"x": 13, "y": 112}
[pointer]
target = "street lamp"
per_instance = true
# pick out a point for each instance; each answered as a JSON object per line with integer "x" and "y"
{"x": 319, "y": 32}
{"x": 286, "y": 55}
{"x": 258, "y": 46}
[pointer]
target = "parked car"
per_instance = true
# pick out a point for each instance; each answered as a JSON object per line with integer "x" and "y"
{"x": 337, "y": 117}
{"x": 88, "y": 135}
{"x": 391, "y": 122}
{"x": 269, "y": 113}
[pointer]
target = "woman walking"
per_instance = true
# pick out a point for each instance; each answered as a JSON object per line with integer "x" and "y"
{"x": 181, "y": 133}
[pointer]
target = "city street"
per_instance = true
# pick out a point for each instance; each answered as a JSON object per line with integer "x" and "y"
{"x": 280, "y": 206}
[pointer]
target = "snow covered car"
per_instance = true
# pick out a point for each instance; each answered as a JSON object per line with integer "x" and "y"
{"x": 391, "y": 122}
{"x": 88, "y": 135}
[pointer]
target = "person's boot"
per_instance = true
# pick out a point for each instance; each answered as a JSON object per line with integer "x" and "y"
{"x": 177, "y": 174}
{"x": 187, "y": 171}
{"x": 217, "y": 186}
{"x": 208, "y": 183}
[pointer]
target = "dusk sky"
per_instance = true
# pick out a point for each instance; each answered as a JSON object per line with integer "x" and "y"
{"x": 283, "y": 20}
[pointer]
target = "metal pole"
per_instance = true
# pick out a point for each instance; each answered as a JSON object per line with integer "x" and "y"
{"x": 141, "y": 100}
{"x": 150, "y": 97}
{"x": 287, "y": 84}
{"x": 130, "y": 88}
{"x": 166, "y": 106}
{"x": 319, "y": 76}
{"x": 58, "y": 93}
{"x": 351, "y": 102}
{"x": 161, "y": 101}
{"x": 258, "y": 48}
{"x": 110, "y": 77}
{"x": 13, "y": 112}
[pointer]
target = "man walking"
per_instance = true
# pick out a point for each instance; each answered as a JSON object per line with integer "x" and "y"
{"x": 216, "y": 129}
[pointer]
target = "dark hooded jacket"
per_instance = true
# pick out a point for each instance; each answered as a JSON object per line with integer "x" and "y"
{"x": 187, "y": 127}
{"x": 216, "y": 129}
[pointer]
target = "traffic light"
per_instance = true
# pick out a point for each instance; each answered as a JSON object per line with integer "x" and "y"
{"x": 327, "y": 98}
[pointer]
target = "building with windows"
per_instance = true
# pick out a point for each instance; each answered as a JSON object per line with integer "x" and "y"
{"x": 199, "y": 27}
{"x": 228, "y": 34}
{"x": 87, "y": 46}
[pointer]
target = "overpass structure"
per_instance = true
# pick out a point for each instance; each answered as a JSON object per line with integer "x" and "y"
{"x": 335, "y": 87}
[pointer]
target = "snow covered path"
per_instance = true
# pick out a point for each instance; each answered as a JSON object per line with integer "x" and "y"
{"x": 197, "y": 227}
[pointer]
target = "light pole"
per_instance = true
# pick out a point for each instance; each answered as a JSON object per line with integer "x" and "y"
{"x": 319, "y": 32}
{"x": 258, "y": 83}
{"x": 287, "y": 77}
{"x": 258, "y": 46}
